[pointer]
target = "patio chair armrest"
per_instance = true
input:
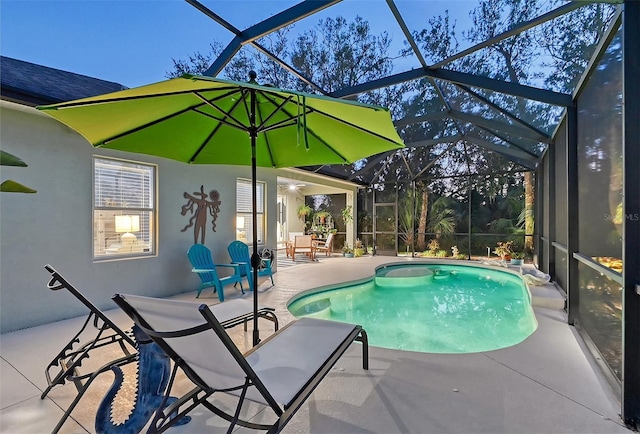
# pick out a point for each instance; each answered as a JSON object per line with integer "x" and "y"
{"x": 232, "y": 265}
{"x": 202, "y": 270}
{"x": 209, "y": 270}
{"x": 236, "y": 268}
{"x": 244, "y": 265}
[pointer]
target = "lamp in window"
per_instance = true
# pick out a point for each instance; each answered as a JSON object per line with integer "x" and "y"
{"x": 125, "y": 224}
{"x": 240, "y": 232}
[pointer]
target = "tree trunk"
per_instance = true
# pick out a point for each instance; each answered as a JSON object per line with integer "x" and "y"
{"x": 422, "y": 223}
{"x": 529, "y": 197}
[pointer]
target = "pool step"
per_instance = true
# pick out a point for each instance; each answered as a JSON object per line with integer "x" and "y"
{"x": 317, "y": 309}
{"x": 405, "y": 276}
{"x": 547, "y": 296}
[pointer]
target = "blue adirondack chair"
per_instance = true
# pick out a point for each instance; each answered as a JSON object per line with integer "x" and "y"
{"x": 239, "y": 253}
{"x": 202, "y": 262}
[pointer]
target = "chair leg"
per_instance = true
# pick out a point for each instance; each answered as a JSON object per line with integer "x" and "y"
{"x": 220, "y": 293}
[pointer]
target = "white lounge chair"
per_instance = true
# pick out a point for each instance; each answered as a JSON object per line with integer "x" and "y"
{"x": 280, "y": 373}
{"x": 98, "y": 331}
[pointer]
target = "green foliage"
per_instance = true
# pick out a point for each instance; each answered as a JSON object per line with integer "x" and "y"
{"x": 433, "y": 246}
{"x": 197, "y": 63}
{"x": 304, "y": 211}
{"x": 337, "y": 54}
{"x": 334, "y": 54}
{"x": 406, "y": 230}
{"x": 504, "y": 249}
{"x": 442, "y": 221}
{"x": 502, "y": 226}
{"x": 347, "y": 216}
{"x": 322, "y": 214}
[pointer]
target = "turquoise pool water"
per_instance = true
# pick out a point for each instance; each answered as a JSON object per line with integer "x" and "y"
{"x": 430, "y": 308}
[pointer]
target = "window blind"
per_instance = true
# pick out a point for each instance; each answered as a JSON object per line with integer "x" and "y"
{"x": 123, "y": 188}
{"x": 244, "y": 209}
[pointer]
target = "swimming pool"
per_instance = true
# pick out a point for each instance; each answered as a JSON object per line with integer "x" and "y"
{"x": 430, "y": 308}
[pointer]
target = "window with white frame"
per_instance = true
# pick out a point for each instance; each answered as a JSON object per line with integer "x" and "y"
{"x": 124, "y": 208}
{"x": 244, "y": 214}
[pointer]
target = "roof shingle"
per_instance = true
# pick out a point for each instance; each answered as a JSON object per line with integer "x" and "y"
{"x": 31, "y": 84}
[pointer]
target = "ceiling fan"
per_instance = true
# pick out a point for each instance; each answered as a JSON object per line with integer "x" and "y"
{"x": 292, "y": 186}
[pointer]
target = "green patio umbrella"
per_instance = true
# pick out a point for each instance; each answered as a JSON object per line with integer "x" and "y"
{"x": 202, "y": 120}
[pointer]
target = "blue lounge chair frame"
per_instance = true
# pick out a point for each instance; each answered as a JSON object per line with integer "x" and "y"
{"x": 312, "y": 346}
{"x": 202, "y": 262}
{"x": 239, "y": 253}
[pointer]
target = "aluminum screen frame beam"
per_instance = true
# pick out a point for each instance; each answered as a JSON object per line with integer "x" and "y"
{"x": 500, "y": 126}
{"x": 407, "y": 34}
{"x": 510, "y": 153}
{"x": 429, "y": 117}
{"x": 631, "y": 221}
{"x": 249, "y": 35}
{"x": 509, "y": 88}
{"x": 431, "y": 142}
{"x": 494, "y": 106}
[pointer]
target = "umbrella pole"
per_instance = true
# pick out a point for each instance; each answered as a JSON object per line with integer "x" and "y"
{"x": 255, "y": 258}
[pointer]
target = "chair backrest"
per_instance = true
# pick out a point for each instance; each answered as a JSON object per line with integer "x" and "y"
{"x": 200, "y": 257}
{"x": 58, "y": 282}
{"x": 192, "y": 336}
{"x": 239, "y": 252}
{"x": 293, "y": 235}
{"x": 303, "y": 241}
{"x": 329, "y": 240}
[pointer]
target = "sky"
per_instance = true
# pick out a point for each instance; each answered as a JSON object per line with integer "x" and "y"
{"x": 133, "y": 42}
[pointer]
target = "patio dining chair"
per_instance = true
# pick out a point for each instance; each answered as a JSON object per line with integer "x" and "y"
{"x": 324, "y": 246}
{"x": 279, "y": 373}
{"x": 303, "y": 244}
{"x": 202, "y": 262}
{"x": 292, "y": 238}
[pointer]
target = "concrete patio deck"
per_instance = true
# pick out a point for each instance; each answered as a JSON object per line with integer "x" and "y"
{"x": 546, "y": 384}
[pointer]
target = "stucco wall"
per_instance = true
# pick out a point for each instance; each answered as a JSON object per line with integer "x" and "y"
{"x": 54, "y": 225}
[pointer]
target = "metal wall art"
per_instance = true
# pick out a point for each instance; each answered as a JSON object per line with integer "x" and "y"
{"x": 199, "y": 204}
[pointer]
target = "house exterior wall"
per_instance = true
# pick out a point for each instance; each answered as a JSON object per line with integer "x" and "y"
{"x": 54, "y": 226}
{"x": 294, "y": 200}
